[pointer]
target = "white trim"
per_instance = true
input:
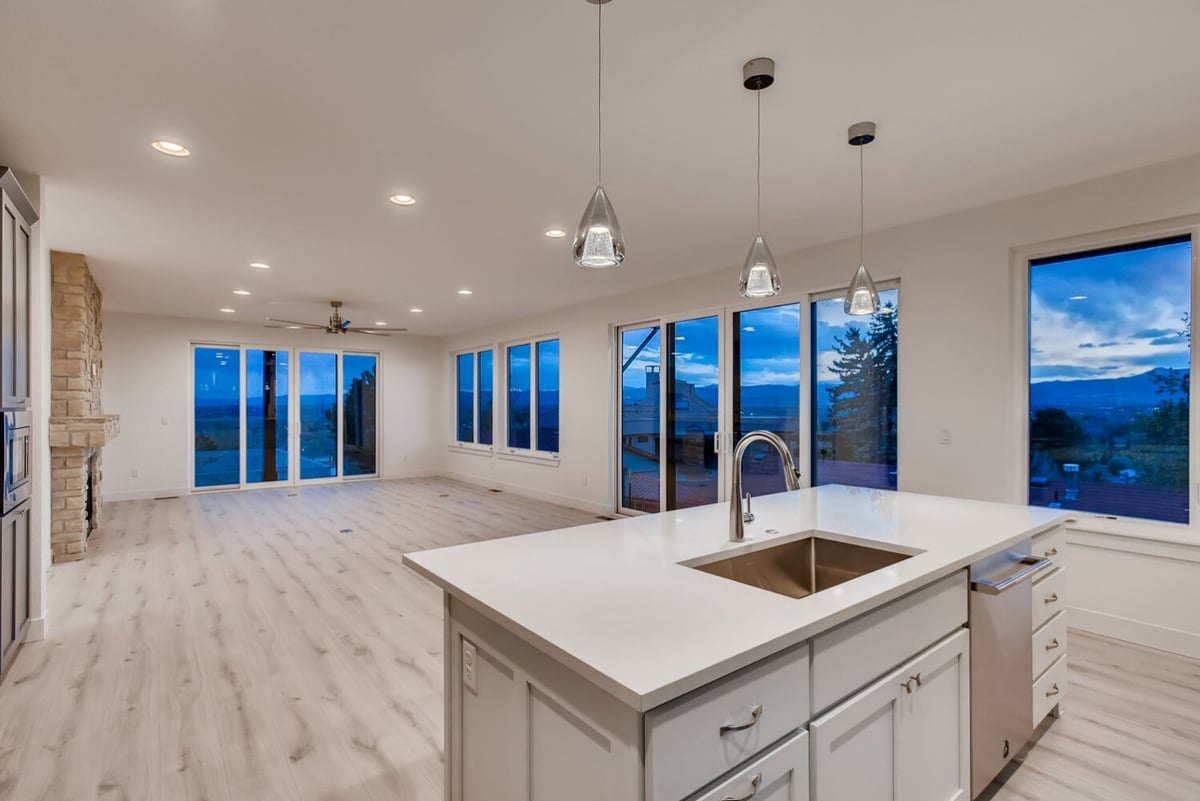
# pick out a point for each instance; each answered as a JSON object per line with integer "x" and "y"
{"x": 526, "y": 492}
{"x": 37, "y": 629}
{"x": 470, "y": 448}
{"x": 532, "y": 457}
{"x": 1019, "y": 259}
{"x": 1138, "y": 632}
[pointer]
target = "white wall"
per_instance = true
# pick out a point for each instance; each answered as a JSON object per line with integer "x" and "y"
{"x": 957, "y": 318}
{"x": 958, "y": 359}
{"x": 147, "y": 377}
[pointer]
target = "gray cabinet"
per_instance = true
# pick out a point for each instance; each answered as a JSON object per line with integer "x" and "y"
{"x": 14, "y": 583}
{"x": 17, "y": 217}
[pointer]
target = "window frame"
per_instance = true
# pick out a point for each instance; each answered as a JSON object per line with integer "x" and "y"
{"x": 474, "y": 446}
{"x": 1020, "y": 259}
{"x": 500, "y": 399}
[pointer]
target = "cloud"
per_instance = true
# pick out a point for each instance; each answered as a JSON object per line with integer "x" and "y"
{"x": 1153, "y": 333}
{"x": 1172, "y": 340}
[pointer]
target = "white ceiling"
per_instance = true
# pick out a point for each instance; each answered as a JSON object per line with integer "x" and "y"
{"x": 304, "y": 116}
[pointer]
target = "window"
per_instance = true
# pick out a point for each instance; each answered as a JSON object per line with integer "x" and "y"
{"x": 532, "y": 416}
{"x": 473, "y": 398}
{"x": 854, "y": 437}
{"x": 766, "y": 390}
{"x": 278, "y": 416}
{"x": 1110, "y": 381}
{"x": 640, "y": 418}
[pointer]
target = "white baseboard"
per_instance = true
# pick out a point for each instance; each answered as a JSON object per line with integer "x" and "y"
{"x": 37, "y": 630}
{"x": 1139, "y": 632}
{"x": 143, "y": 495}
{"x": 537, "y": 495}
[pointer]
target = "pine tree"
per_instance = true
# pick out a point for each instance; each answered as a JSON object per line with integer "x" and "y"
{"x": 862, "y": 412}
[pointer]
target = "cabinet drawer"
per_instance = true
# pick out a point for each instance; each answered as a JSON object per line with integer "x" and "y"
{"x": 1049, "y": 690}
{"x": 1049, "y": 597}
{"x": 1049, "y": 643}
{"x": 781, "y": 774}
{"x": 693, "y": 740}
{"x": 860, "y": 651}
{"x": 1052, "y": 544}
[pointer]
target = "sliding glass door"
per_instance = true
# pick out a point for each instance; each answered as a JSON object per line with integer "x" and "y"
{"x": 266, "y": 416}
{"x": 358, "y": 414}
{"x": 640, "y": 419}
{"x": 318, "y": 415}
{"x": 216, "y": 417}
{"x": 693, "y": 412}
{"x": 274, "y": 416}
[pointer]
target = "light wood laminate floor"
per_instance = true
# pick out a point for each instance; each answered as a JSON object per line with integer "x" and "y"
{"x": 269, "y": 645}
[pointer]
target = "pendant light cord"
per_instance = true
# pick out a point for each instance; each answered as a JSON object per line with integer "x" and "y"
{"x": 861, "y": 218}
{"x": 599, "y": 91}
{"x": 758, "y": 165}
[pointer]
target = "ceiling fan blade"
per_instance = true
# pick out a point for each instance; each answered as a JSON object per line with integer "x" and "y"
{"x": 372, "y": 331}
{"x": 295, "y": 322}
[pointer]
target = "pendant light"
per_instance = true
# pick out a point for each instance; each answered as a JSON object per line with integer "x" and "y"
{"x": 598, "y": 240}
{"x": 862, "y": 298}
{"x": 760, "y": 276}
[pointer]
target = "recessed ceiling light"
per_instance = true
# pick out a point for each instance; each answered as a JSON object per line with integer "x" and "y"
{"x": 416, "y": 310}
{"x": 465, "y": 292}
{"x": 228, "y": 311}
{"x": 260, "y": 265}
{"x": 170, "y": 148}
{"x": 293, "y": 327}
{"x": 556, "y": 233}
{"x": 403, "y": 200}
{"x": 241, "y": 291}
{"x": 380, "y": 322}
{"x": 1077, "y": 297}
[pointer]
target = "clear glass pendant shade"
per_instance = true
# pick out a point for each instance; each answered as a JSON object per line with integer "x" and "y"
{"x": 598, "y": 240}
{"x": 760, "y": 276}
{"x": 862, "y": 298}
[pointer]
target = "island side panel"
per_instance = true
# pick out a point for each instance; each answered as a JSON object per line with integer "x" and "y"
{"x": 531, "y": 729}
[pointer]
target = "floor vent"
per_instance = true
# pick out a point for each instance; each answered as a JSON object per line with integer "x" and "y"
{"x": 444, "y": 495}
{"x": 167, "y": 498}
{"x": 605, "y": 517}
{"x": 346, "y": 531}
{"x": 495, "y": 490}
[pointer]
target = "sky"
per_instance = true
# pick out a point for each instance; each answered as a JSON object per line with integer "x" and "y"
{"x": 1109, "y": 316}
{"x": 832, "y": 322}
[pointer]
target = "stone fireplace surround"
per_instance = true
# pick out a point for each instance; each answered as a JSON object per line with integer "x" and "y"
{"x": 79, "y": 429}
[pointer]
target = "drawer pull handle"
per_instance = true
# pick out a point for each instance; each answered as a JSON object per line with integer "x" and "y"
{"x": 1052, "y": 692}
{"x": 754, "y": 783}
{"x": 1052, "y": 598}
{"x": 755, "y": 714}
{"x": 1053, "y": 551}
{"x": 916, "y": 678}
{"x": 1052, "y": 644}
{"x": 907, "y": 685}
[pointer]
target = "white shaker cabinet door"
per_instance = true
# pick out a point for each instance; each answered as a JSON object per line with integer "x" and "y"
{"x": 904, "y": 738}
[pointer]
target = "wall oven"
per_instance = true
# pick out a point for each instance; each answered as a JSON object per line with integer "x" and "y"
{"x": 16, "y": 456}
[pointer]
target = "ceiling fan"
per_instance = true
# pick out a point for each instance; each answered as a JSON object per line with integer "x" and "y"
{"x": 336, "y": 324}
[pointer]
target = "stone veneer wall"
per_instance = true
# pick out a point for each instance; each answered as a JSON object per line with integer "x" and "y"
{"x": 78, "y": 427}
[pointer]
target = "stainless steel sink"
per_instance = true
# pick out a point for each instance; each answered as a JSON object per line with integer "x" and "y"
{"x": 801, "y": 567}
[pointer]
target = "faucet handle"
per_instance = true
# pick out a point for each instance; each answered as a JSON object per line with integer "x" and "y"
{"x": 748, "y": 516}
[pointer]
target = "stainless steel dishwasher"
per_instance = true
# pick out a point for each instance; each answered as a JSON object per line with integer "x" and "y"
{"x": 1001, "y": 611}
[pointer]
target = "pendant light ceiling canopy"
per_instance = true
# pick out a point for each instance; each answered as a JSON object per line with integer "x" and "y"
{"x": 862, "y": 298}
{"x": 598, "y": 241}
{"x": 759, "y": 277}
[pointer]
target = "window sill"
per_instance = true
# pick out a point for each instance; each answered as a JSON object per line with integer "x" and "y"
{"x": 530, "y": 457}
{"x": 1152, "y": 530}
{"x": 471, "y": 449}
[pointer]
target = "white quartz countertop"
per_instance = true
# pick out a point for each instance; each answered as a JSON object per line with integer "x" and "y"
{"x": 611, "y": 601}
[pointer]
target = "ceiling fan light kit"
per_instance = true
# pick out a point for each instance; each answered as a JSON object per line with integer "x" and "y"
{"x": 336, "y": 324}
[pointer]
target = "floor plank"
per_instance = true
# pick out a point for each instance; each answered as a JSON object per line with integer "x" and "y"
{"x": 270, "y": 645}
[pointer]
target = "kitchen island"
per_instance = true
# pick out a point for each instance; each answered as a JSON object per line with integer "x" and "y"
{"x": 599, "y": 662}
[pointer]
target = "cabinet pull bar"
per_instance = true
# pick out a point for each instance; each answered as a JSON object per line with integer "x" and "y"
{"x": 754, "y": 783}
{"x": 1052, "y": 692}
{"x": 1052, "y": 552}
{"x": 755, "y": 713}
{"x": 1052, "y": 598}
{"x": 1052, "y": 644}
